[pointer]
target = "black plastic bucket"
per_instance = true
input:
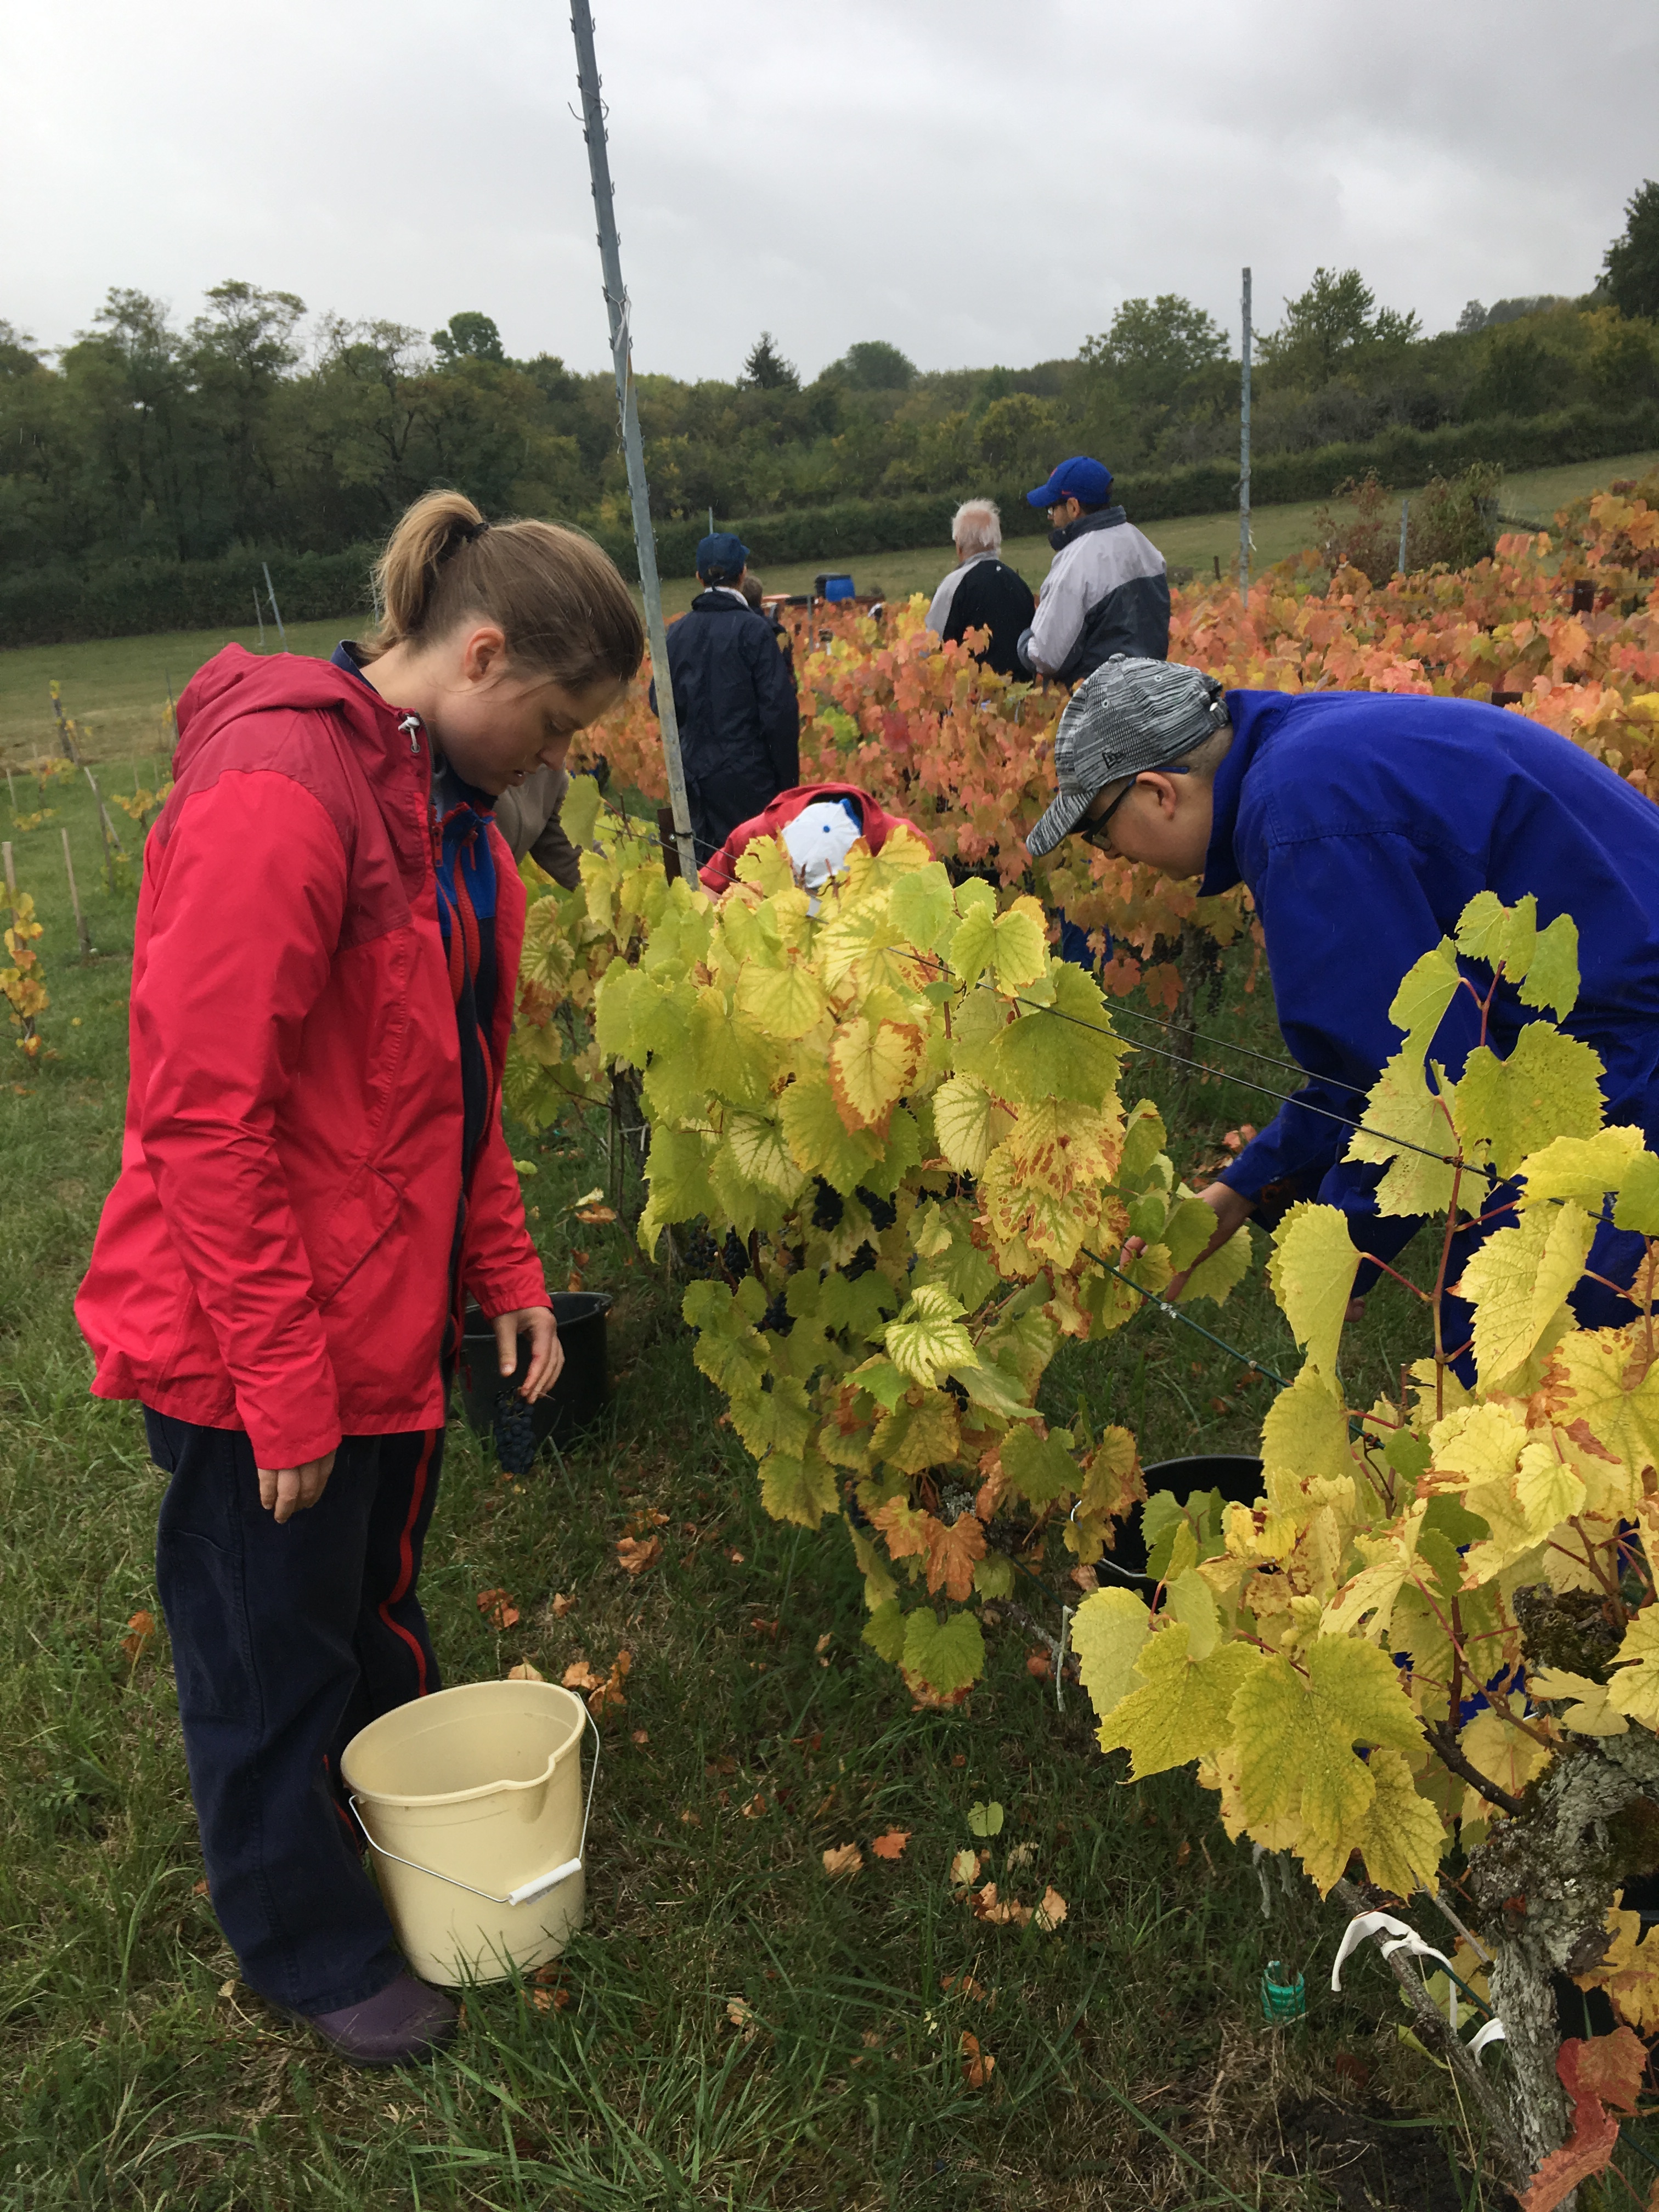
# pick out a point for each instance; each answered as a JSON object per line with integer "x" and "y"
{"x": 579, "y": 1397}
{"x": 1237, "y": 1477}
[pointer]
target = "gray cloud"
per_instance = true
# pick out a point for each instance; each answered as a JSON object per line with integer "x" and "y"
{"x": 974, "y": 182}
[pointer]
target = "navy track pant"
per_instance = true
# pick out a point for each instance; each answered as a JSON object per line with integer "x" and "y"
{"x": 286, "y": 1641}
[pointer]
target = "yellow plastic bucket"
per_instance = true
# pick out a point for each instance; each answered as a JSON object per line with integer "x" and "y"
{"x": 471, "y": 1799}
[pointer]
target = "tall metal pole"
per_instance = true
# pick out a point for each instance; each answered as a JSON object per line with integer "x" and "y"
{"x": 622, "y": 354}
{"x": 1244, "y": 452}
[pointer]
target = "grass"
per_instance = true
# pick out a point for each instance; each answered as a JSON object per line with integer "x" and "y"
{"x": 1132, "y": 2066}
{"x": 118, "y": 687}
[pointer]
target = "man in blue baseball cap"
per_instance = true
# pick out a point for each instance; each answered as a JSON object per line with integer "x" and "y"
{"x": 735, "y": 698}
{"x": 1106, "y": 592}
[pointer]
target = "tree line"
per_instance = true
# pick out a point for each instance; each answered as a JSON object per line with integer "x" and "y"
{"x": 246, "y": 426}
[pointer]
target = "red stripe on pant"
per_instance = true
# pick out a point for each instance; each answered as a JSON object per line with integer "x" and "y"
{"x": 406, "y": 1562}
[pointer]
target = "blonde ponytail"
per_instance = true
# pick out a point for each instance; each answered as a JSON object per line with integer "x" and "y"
{"x": 557, "y": 597}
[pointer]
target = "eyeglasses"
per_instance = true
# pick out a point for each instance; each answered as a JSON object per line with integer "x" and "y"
{"x": 1094, "y": 833}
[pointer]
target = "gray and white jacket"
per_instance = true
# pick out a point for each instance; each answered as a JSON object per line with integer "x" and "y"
{"x": 1106, "y": 592}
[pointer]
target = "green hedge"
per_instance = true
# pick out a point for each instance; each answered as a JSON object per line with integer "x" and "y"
{"x": 130, "y": 598}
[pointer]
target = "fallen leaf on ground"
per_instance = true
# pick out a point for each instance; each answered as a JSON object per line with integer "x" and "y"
{"x": 498, "y": 1608}
{"x": 609, "y": 1692}
{"x": 1040, "y": 1665}
{"x": 1051, "y": 1911}
{"x": 985, "y": 1819}
{"x": 201, "y": 1888}
{"x": 964, "y": 1868}
{"x": 691, "y": 1819}
{"x": 963, "y": 1985}
{"x": 977, "y": 2065}
{"x": 824, "y": 1642}
{"x": 561, "y": 1605}
{"x": 892, "y": 1846}
{"x": 999, "y": 1911}
{"x": 596, "y": 1213}
{"x": 226, "y": 1988}
{"x": 843, "y": 1859}
{"x": 738, "y": 2011}
{"x": 641, "y": 1735}
{"x": 1085, "y": 1578}
{"x": 141, "y": 1629}
{"x": 634, "y": 1557}
{"x": 736, "y": 1558}
{"x": 754, "y": 1808}
{"x": 1022, "y": 1854}
{"x": 579, "y": 1675}
{"x": 523, "y": 1671}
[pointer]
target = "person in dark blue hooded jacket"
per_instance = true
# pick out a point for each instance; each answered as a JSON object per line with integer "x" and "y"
{"x": 734, "y": 697}
{"x": 1363, "y": 823}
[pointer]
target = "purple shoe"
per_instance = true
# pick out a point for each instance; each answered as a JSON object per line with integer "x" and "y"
{"x": 404, "y": 2022}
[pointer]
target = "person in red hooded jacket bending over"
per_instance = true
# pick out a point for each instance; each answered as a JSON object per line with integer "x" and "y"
{"x": 819, "y": 823}
{"x": 314, "y": 1179}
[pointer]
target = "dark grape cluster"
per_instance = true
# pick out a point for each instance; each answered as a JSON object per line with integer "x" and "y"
{"x": 828, "y": 1206}
{"x": 701, "y": 1255}
{"x": 881, "y": 1211}
{"x": 957, "y": 1393}
{"x": 734, "y": 1256}
{"x": 861, "y": 1261}
{"x": 515, "y": 1431}
{"x": 778, "y": 1317}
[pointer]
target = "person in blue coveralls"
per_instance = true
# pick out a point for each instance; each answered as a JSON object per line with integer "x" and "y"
{"x": 1363, "y": 823}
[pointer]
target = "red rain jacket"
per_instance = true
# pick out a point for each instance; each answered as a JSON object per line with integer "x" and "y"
{"x": 721, "y": 873}
{"x": 275, "y": 1255}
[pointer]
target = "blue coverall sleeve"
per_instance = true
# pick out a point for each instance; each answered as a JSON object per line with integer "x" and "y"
{"x": 1344, "y": 918}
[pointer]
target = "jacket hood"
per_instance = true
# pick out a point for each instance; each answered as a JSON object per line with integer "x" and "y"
{"x": 1101, "y": 518}
{"x": 236, "y": 682}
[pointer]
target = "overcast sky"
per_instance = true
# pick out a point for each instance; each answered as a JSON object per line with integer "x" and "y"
{"x": 976, "y": 181}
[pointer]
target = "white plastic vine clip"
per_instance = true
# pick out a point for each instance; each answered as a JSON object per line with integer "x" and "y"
{"x": 1398, "y": 1937}
{"x": 1492, "y": 2032}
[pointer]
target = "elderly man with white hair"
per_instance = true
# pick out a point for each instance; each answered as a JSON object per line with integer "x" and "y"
{"x": 981, "y": 592}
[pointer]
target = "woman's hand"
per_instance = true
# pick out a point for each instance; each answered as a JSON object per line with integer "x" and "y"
{"x": 546, "y": 1352}
{"x": 286, "y": 1490}
{"x": 1231, "y": 1212}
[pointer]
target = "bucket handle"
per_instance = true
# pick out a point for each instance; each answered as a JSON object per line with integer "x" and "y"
{"x": 525, "y": 1891}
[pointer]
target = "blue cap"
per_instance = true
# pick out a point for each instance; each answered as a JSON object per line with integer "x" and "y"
{"x": 721, "y": 557}
{"x": 1089, "y": 483}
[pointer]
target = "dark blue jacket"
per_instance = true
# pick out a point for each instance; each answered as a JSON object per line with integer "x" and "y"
{"x": 735, "y": 697}
{"x": 1363, "y": 823}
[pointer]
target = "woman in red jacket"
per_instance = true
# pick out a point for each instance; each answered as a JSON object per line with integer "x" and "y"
{"x": 314, "y": 1179}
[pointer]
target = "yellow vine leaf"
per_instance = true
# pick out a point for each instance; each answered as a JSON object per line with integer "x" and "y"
{"x": 1012, "y": 946}
{"x": 820, "y": 1142}
{"x": 1518, "y": 1280}
{"x": 762, "y": 1156}
{"x": 1638, "y": 1208}
{"x": 1587, "y": 1706}
{"x": 1426, "y": 992}
{"x": 1181, "y": 1710}
{"x": 946, "y": 1656}
{"x": 963, "y": 1112}
{"x": 1582, "y": 1168}
{"x": 1370, "y": 1594}
{"x": 871, "y": 1067}
{"x": 1549, "y": 1086}
{"x": 1401, "y": 1106}
{"x": 1499, "y": 934}
{"x": 1629, "y": 1971}
{"x": 1601, "y": 1379}
{"x": 1189, "y": 1600}
{"x": 1509, "y": 1756}
{"x": 1312, "y": 1270}
{"x": 1634, "y": 1689}
{"x": 1217, "y": 1277}
{"x": 1305, "y": 1444}
{"x": 1402, "y": 1836}
{"x": 785, "y": 1001}
{"x": 802, "y": 1491}
{"x": 929, "y": 1338}
{"x": 1109, "y": 1630}
{"x": 1552, "y": 977}
{"x": 1062, "y": 1050}
{"x": 1296, "y": 1735}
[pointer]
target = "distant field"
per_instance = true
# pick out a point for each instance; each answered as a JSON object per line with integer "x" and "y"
{"x": 118, "y": 687}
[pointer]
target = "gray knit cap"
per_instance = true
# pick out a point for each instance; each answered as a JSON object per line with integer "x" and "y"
{"x": 1127, "y": 716}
